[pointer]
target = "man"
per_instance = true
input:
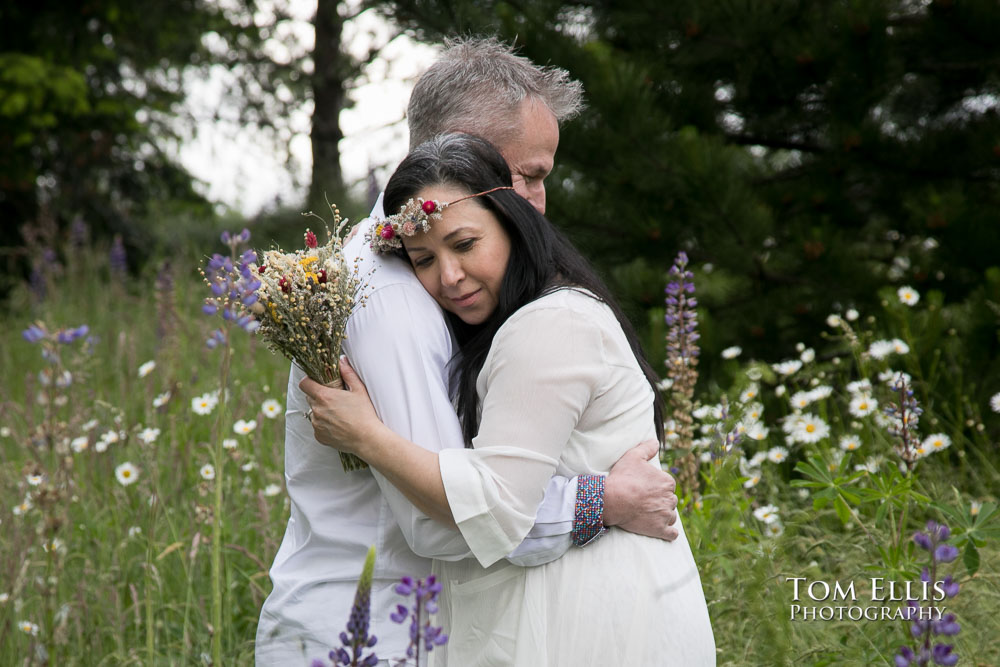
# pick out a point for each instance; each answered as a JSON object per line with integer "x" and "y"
{"x": 400, "y": 345}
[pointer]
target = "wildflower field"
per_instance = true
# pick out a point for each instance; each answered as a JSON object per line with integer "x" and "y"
{"x": 142, "y": 498}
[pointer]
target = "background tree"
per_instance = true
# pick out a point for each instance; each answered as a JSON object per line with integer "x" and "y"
{"x": 90, "y": 96}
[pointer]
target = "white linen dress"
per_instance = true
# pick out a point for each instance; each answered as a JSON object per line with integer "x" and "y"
{"x": 561, "y": 393}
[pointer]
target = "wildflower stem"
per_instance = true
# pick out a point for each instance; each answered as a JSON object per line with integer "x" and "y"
{"x": 217, "y": 511}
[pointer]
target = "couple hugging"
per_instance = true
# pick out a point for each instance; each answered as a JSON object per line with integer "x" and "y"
{"x": 479, "y": 305}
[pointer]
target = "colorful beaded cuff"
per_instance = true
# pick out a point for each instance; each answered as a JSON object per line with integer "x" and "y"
{"x": 588, "y": 520}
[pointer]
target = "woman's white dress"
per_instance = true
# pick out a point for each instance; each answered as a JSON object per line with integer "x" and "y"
{"x": 561, "y": 392}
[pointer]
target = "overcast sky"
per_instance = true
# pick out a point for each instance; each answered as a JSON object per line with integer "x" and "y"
{"x": 240, "y": 166}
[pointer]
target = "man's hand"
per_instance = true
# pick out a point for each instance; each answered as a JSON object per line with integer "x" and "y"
{"x": 639, "y": 496}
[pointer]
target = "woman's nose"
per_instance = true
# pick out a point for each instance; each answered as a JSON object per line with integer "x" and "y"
{"x": 451, "y": 271}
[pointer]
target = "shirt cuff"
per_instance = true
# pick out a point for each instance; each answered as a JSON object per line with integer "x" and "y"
{"x": 588, "y": 520}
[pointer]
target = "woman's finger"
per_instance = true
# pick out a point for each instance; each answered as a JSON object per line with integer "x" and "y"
{"x": 348, "y": 375}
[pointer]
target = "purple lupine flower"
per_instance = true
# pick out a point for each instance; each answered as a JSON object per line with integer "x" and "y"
{"x": 33, "y": 333}
{"x": 933, "y": 541}
{"x": 66, "y": 336}
{"x": 79, "y": 233}
{"x": 904, "y": 415}
{"x": 356, "y": 638}
{"x": 117, "y": 258}
{"x": 943, "y": 655}
{"x": 422, "y": 633}
{"x": 233, "y": 286}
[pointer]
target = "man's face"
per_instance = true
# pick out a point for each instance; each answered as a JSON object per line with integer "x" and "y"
{"x": 531, "y": 154}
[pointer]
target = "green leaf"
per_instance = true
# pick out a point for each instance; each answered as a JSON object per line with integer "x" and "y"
{"x": 971, "y": 558}
{"x": 843, "y": 511}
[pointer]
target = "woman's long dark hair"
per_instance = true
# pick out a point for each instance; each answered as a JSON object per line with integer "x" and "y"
{"x": 541, "y": 257}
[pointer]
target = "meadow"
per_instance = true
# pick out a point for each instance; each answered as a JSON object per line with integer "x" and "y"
{"x": 142, "y": 498}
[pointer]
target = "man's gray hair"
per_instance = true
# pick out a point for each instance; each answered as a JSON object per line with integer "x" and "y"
{"x": 477, "y": 86}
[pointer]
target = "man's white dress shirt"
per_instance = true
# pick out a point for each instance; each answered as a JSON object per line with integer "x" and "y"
{"x": 400, "y": 345}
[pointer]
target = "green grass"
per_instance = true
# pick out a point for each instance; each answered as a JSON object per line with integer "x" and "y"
{"x": 130, "y": 580}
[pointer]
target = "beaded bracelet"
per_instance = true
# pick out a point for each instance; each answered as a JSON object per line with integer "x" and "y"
{"x": 588, "y": 519}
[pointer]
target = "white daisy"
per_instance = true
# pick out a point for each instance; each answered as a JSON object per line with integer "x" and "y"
{"x": 820, "y": 392}
{"x": 908, "y": 295}
{"x": 753, "y": 412}
{"x": 766, "y": 513}
{"x": 833, "y": 320}
{"x": 126, "y": 473}
{"x": 880, "y": 349}
{"x": 780, "y": 390}
{"x": 207, "y": 471}
{"x": 754, "y": 374}
{"x": 900, "y": 347}
{"x": 756, "y": 431}
{"x": 850, "y": 442}
{"x": 995, "y": 402}
{"x": 161, "y": 399}
{"x": 800, "y": 400}
{"x": 811, "y": 429}
{"x": 272, "y": 490}
{"x": 862, "y": 405}
{"x": 732, "y": 352}
{"x": 701, "y": 411}
{"x": 664, "y": 384}
{"x": 244, "y": 426}
{"x": 777, "y": 454}
{"x": 28, "y": 628}
{"x": 774, "y": 529}
{"x": 248, "y": 466}
{"x": 4, "y": 597}
{"x": 859, "y": 386}
{"x": 836, "y": 456}
{"x": 111, "y": 437}
{"x": 229, "y": 443}
{"x": 808, "y": 355}
{"x": 936, "y": 442}
{"x": 204, "y": 404}
{"x": 149, "y": 435}
{"x": 753, "y": 479}
{"x": 892, "y": 377}
{"x": 975, "y": 507}
{"x": 146, "y": 368}
{"x": 851, "y": 314}
{"x": 89, "y": 426}
{"x": 757, "y": 459}
{"x": 79, "y": 444}
{"x": 25, "y": 505}
{"x": 787, "y": 367}
{"x": 750, "y": 393}
{"x": 670, "y": 430}
{"x": 34, "y": 480}
{"x": 134, "y": 530}
{"x": 271, "y": 408}
{"x": 705, "y": 457}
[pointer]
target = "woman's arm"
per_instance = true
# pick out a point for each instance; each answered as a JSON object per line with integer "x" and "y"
{"x": 351, "y": 425}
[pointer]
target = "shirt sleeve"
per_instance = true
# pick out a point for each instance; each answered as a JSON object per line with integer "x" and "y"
{"x": 546, "y": 365}
{"x": 403, "y": 371}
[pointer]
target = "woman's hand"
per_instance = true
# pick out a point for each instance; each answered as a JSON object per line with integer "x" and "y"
{"x": 342, "y": 418}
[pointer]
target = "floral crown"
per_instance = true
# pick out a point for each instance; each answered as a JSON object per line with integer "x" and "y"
{"x": 414, "y": 216}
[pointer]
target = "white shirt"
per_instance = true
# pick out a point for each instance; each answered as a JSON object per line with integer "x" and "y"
{"x": 400, "y": 345}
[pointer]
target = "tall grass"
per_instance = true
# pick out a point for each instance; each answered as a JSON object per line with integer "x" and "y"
{"x": 122, "y": 574}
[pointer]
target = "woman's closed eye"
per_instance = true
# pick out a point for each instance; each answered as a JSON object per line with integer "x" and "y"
{"x": 465, "y": 245}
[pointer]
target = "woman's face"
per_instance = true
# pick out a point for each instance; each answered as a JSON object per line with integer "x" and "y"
{"x": 461, "y": 261}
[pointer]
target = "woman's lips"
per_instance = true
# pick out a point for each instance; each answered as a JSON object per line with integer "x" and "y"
{"x": 466, "y": 300}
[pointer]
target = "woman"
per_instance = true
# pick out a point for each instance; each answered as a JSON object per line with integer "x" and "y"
{"x": 551, "y": 379}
